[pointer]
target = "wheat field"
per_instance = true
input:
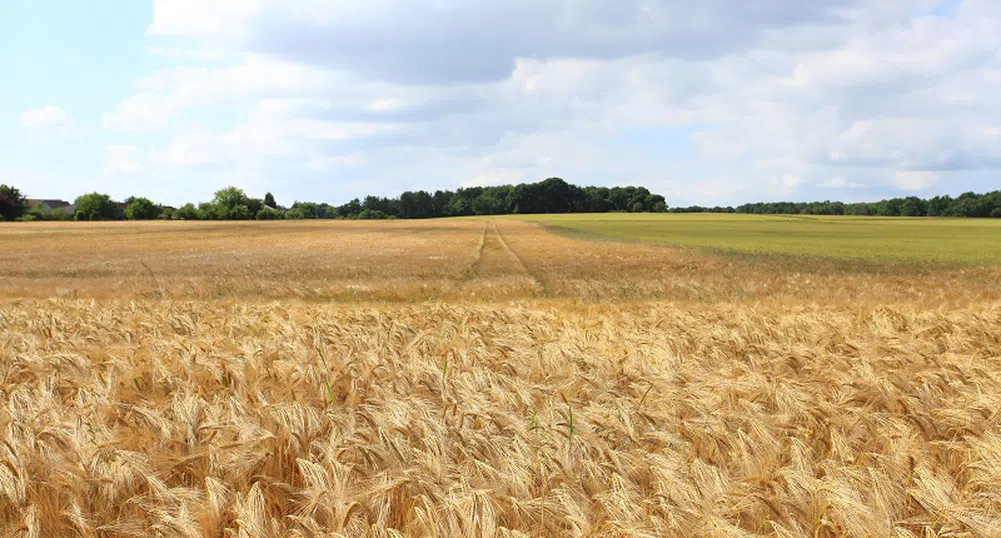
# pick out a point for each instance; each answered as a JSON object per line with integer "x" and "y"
{"x": 485, "y": 379}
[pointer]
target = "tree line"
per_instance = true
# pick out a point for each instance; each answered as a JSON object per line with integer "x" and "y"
{"x": 553, "y": 195}
{"x": 968, "y": 204}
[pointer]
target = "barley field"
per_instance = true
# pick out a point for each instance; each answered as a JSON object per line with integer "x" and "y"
{"x": 486, "y": 378}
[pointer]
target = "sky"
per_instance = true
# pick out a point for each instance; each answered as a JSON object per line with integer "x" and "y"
{"x": 709, "y": 102}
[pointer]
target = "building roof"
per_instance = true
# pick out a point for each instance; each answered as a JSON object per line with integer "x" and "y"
{"x": 49, "y": 203}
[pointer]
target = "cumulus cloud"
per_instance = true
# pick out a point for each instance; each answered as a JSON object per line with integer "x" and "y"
{"x": 915, "y": 181}
{"x": 460, "y": 41}
{"x": 840, "y": 183}
{"x": 734, "y": 100}
{"x": 49, "y": 120}
{"x": 140, "y": 112}
{"x": 123, "y": 160}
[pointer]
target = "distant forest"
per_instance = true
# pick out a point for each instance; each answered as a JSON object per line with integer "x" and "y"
{"x": 968, "y": 204}
{"x": 553, "y": 195}
{"x": 550, "y": 196}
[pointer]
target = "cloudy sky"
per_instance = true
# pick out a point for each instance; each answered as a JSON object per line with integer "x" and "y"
{"x": 715, "y": 101}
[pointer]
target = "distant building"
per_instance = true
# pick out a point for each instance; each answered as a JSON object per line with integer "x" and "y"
{"x": 52, "y": 205}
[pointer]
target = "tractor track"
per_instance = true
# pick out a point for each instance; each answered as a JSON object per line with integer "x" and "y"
{"x": 521, "y": 263}
{"x": 496, "y": 260}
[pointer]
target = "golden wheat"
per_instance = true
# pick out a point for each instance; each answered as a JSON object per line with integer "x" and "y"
{"x": 804, "y": 404}
{"x": 437, "y": 259}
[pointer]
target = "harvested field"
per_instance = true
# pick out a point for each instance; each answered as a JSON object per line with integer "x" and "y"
{"x": 485, "y": 378}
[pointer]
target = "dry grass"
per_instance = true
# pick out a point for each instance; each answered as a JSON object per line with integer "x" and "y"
{"x": 538, "y": 394}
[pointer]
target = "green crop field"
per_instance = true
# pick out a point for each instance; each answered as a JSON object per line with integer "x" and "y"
{"x": 971, "y": 241}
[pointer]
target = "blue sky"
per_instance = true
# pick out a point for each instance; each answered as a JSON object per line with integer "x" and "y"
{"x": 716, "y": 103}
{"x": 83, "y": 56}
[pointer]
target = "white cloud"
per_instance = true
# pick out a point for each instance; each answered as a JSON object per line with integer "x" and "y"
{"x": 181, "y": 53}
{"x": 915, "y": 181}
{"x": 123, "y": 160}
{"x": 141, "y": 112}
{"x": 191, "y": 149}
{"x": 840, "y": 183}
{"x": 173, "y": 92}
{"x": 459, "y": 40}
{"x": 724, "y": 101}
{"x": 50, "y": 120}
{"x": 213, "y": 17}
{"x": 385, "y": 104}
{"x": 321, "y": 163}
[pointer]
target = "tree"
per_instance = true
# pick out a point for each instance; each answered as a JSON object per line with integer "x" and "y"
{"x": 971, "y": 204}
{"x": 142, "y": 209}
{"x": 240, "y": 212}
{"x": 187, "y": 212}
{"x": 41, "y": 212}
{"x": 552, "y": 195}
{"x": 459, "y": 206}
{"x": 96, "y": 206}
{"x": 13, "y": 204}
{"x": 490, "y": 202}
{"x": 407, "y": 209}
{"x": 521, "y": 199}
{"x": 423, "y": 205}
{"x": 232, "y": 203}
{"x": 654, "y": 203}
{"x": 938, "y": 206}
{"x": 439, "y": 203}
{"x": 326, "y": 211}
{"x": 373, "y": 214}
{"x": 270, "y": 213}
{"x": 381, "y": 205}
{"x": 208, "y": 211}
{"x": 889, "y": 208}
{"x": 254, "y": 205}
{"x": 350, "y": 209}
{"x": 593, "y": 200}
{"x": 912, "y": 206}
{"x": 303, "y": 211}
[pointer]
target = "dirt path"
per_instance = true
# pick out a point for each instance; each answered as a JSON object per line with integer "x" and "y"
{"x": 498, "y": 265}
{"x": 521, "y": 262}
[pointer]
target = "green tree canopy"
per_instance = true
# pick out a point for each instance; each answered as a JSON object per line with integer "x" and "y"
{"x": 142, "y": 209}
{"x": 187, "y": 212}
{"x": 232, "y": 203}
{"x": 97, "y": 206}
{"x": 12, "y": 203}
{"x": 303, "y": 210}
{"x": 270, "y": 213}
{"x": 208, "y": 211}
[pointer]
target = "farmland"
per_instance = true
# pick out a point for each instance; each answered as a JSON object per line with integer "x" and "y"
{"x": 925, "y": 240}
{"x": 479, "y": 259}
{"x": 501, "y": 377}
